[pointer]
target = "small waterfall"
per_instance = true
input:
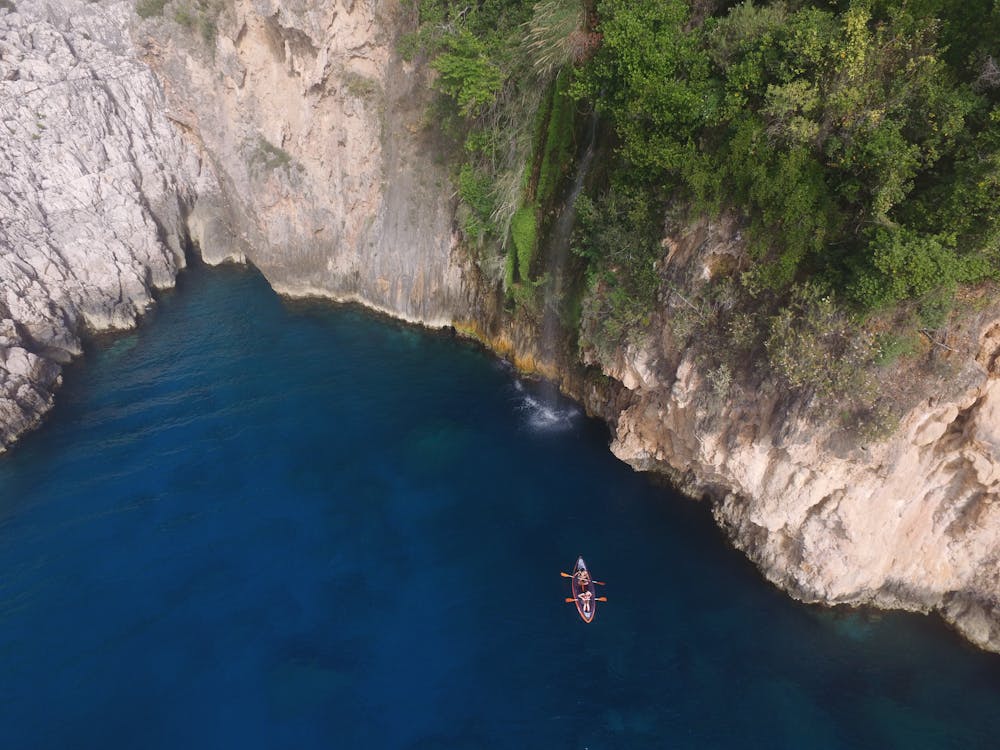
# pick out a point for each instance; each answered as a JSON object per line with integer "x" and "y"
{"x": 558, "y": 242}
{"x": 541, "y": 408}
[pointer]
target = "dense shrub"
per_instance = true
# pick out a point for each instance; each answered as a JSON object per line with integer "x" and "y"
{"x": 149, "y": 8}
{"x": 904, "y": 264}
{"x": 862, "y": 138}
{"x": 618, "y": 236}
{"x": 475, "y": 190}
{"x": 468, "y": 75}
{"x": 814, "y": 348}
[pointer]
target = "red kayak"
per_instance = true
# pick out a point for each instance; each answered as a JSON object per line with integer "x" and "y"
{"x": 584, "y": 591}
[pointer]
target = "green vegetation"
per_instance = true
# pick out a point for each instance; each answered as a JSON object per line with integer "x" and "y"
{"x": 618, "y": 236}
{"x": 359, "y": 86}
{"x": 555, "y": 34}
{"x": 476, "y": 192}
{"x": 186, "y": 17}
{"x": 555, "y": 144}
{"x": 861, "y": 137}
{"x": 265, "y": 155}
{"x": 812, "y": 347}
{"x": 857, "y": 142}
{"x": 488, "y": 99}
{"x": 193, "y": 15}
{"x": 149, "y": 8}
{"x": 468, "y": 75}
{"x": 524, "y": 232}
{"x": 504, "y": 71}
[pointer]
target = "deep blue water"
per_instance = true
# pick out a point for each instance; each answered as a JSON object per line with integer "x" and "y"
{"x": 260, "y": 524}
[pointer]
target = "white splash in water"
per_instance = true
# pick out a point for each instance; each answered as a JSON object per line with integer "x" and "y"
{"x": 545, "y": 414}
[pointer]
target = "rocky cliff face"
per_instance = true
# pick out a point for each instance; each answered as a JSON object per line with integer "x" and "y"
{"x": 316, "y": 130}
{"x": 912, "y": 521}
{"x": 291, "y": 135}
{"x": 275, "y": 132}
{"x": 94, "y": 189}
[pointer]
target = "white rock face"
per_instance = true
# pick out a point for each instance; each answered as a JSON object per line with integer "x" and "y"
{"x": 911, "y": 522}
{"x": 317, "y": 132}
{"x": 93, "y": 192}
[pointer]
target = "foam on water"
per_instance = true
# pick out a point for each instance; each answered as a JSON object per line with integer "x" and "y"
{"x": 545, "y": 412}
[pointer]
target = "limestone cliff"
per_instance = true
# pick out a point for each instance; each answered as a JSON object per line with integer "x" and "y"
{"x": 911, "y": 521}
{"x": 95, "y": 186}
{"x": 316, "y": 130}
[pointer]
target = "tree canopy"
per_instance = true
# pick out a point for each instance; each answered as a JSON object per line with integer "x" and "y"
{"x": 861, "y": 137}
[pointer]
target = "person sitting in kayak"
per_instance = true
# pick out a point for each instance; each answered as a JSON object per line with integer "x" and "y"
{"x": 583, "y": 577}
{"x": 585, "y": 597}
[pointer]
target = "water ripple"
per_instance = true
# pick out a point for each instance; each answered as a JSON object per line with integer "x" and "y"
{"x": 545, "y": 412}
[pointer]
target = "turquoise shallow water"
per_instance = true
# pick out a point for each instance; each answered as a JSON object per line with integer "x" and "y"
{"x": 257, "y": 524}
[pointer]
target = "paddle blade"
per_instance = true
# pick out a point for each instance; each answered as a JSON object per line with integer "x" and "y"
{"x": 600, "y": 599}
{"x": 565, "y": 575}
{"x": 570, "y": 601}
{"x": 600, "y": 583}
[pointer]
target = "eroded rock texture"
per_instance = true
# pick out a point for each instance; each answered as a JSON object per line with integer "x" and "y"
{"x": 316, "y": 130}
{"x": 911, "y": 521}
{"x": 93, "y": 191}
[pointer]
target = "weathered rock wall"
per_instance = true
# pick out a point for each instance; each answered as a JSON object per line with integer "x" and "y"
{"x": 316, "y": 130}
{"x": 95, "y": 186}
{"x": 912, "y": 521}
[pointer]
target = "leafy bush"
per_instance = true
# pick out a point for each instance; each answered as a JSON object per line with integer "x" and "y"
{"x": 721, "y": 380}
{"x": 358, "y": 85}
{"x": 149, "y": 8}
{"x": 618, "y": 235}
{"x": 905, "y": 264}
{"x": 822, "y": 121}
{"x": 468, "y": 75}
{"x": 815, "y": 349}
{"x": 475, "y": 190}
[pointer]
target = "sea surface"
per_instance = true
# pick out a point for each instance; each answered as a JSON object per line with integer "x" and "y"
{"x": 255, "y": 523}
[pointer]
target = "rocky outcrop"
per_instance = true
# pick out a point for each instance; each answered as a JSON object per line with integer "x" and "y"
{"x": 93, "y": 195}
{"x": 316, "y": 130}
{"x": 911, "y": 521}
